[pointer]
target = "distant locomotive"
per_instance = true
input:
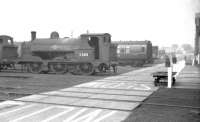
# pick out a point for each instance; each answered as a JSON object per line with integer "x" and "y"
{"x": 8, "y": 52}
{"x": 85, "y": 55}
{"x": 135, "y": 53}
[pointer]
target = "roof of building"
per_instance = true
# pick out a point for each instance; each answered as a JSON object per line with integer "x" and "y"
{"x": 95, "y": 34}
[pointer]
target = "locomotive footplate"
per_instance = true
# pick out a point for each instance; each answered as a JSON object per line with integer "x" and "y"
{"x": 160, "y": 78}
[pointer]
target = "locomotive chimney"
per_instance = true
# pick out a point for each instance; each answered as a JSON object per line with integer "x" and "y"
{"x": 33, "y": 35}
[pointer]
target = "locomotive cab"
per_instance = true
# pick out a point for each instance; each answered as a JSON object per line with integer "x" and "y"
{"x": 101, "y": 44}
{"x": 102, "y": 50}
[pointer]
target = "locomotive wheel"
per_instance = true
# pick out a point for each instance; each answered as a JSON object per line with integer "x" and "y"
{"x": 102, "y": 67}
{"x": 58, "y": 68}
{"x": 35, "y": 67}
{"x": 73, "y": 69}
{"x": 138, "y": 63}
{"x": 86, "y": 68}
{"x": 114, "y": 68}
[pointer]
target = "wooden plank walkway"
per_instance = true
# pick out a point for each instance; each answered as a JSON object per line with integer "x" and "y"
{"x": 109, "y": 99}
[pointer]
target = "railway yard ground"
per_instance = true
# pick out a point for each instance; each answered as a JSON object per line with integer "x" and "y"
{"x": 129, "y": 95}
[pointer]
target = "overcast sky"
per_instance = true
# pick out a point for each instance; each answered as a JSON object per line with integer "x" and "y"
{"x": 164, "y": 22}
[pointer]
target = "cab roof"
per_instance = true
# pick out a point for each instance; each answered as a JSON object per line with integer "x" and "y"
{"x": 132, "y": 42}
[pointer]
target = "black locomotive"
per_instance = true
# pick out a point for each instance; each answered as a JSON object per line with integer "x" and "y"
{"x": 84, "y": 55}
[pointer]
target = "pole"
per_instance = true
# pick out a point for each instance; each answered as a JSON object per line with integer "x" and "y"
{"x": 169, "y": 84}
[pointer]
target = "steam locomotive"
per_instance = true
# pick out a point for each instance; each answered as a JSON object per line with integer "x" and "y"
{"x": 84, "y": 55}
{"x": 134, "y": 53}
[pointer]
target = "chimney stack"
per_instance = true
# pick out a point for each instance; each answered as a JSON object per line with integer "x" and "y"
{"x": 33, "y": 35}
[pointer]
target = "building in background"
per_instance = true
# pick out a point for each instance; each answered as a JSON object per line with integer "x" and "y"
{"x": 197, "y": 39}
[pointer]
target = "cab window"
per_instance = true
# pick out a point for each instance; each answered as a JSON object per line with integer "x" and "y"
{"x": 106, "y": 39}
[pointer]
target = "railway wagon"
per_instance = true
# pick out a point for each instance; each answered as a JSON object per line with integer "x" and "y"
{"x": 155, "y": 52}
{"x": 134, "y": 53}
{"x": 84, "y": 55}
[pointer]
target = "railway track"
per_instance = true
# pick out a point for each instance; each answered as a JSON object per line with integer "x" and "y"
{"x": 15, "y": 84}
{"x": 111, "y": 97}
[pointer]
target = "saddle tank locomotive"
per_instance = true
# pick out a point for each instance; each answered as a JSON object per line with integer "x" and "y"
{"x": 84, "y": 55}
